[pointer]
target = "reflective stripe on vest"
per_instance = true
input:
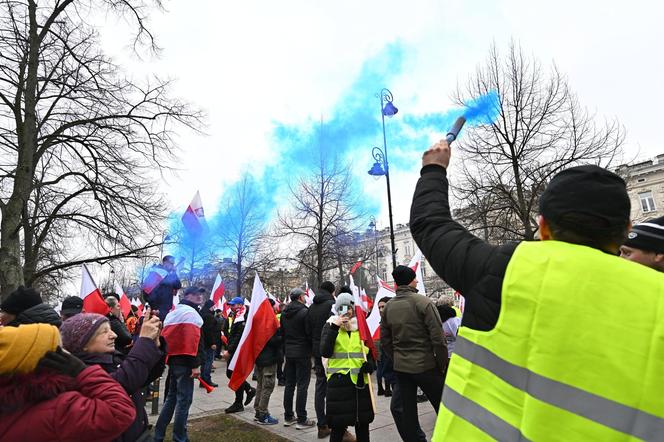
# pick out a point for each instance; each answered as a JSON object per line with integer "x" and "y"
{"x": 347, "y": 357}
{"x": 573, "y": 356}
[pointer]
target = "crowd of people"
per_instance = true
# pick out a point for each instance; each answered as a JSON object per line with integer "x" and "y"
{"x": 536, "y": 354}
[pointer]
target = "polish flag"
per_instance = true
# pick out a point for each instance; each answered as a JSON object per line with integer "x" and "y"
{"x": 308, "y": 294}
{"x": 194, "y": 217}
{"x": 156, "y": 274}
{"x": 356, "y": 266}
{"x": 225, "y": 308}
{"x": 416, "y": 264}
{"x": 276, "y": 301}
{"x": 261, "y": 326}
{"x": 182, "y": 331}
{"x": 361, "y": 316}
{"x": 136, "y": 302}
{"x": 366, "y": 301}
{"x": 373, "y": 320}
{"x": 93, "y": 301}
{"x": 218, "y": 289}
{"x": 176, "y": 301}
{"x": 125, "y": 305}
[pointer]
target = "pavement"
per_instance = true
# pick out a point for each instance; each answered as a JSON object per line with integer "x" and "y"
{"x": 382, "y": 429}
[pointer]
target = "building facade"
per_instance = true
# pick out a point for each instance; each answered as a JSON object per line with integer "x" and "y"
{"x": 645, "y": 186}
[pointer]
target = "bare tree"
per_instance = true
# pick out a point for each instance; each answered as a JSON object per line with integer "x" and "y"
{"x": 322, "y": 213}
{"x": 80, "y": 143}
{"x": 241, "y": 229}
{"x": 540, "y": 129}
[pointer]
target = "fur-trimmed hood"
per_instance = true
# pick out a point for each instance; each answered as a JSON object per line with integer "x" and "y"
{"x": 23, "y": 390}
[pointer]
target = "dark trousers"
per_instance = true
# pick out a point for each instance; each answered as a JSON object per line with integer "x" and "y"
{"x": 380, "y": 369}
{"x": 178, "y": 401}
{"x": 280, "y": 369}
{"x": 206, "y": 368}
{"x": 239, "y": 394}
{"x": 431, "y": 382}
{"x": 396, "y": 408}
{"x": 298, "y": 373}
{"x": 321, "y": 392}
{"x": 361, "y": 433}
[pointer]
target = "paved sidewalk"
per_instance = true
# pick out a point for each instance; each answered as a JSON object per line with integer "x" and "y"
{"x": 382, "y": 428}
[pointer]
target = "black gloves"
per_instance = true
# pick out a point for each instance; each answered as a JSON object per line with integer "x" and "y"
{"x": 61, "y": 362}
{"x": 368, "y": 367}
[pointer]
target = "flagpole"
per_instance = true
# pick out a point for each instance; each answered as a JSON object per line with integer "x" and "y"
{"x": 193, "y": 259}
{"x": 364, "y": 355}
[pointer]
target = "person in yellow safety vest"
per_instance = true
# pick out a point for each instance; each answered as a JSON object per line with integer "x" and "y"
{"x": 561, "y": 339}
{"x": 349, "y": 364}
{"x": 645, "y": 244}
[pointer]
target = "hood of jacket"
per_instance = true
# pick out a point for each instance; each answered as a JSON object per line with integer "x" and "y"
{"x": 38, "y": 314}
{"x": 323, "y": 296}
{"x": 293, "y": 309}
{"x": 20, "y": 391}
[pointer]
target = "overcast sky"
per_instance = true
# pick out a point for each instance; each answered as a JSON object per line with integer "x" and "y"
{"x": 251, "y": 65}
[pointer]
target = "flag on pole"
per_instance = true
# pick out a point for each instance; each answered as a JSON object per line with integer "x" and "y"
{"x": 356, "y": 266}
{"x": 275, "y": 299}
{"x": 93, "y": 301}
{"x": 308, "y": 294}
{"x": 182, "y": 331}
{"x": 218, "y": 289}
{"x": 373, "y": 320}
{"x": 416, "y": 264}
{"x": 156, "y": 274}
{"x": 125, "y": 305}
{"x": 361, "y": 316}
{"x": 261, "y": 326}
{"x": 194, "y": 217}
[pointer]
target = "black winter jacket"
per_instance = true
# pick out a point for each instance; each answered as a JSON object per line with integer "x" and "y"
{"x": 271, "y": 353}
{"x": 143, "y": 364}
{"x": 319, "y": 312}
{"x": 123, "y": 338}
{"x": 235, "y": 333}
{"x": 346, "y": 403}
{"x": 161, "y": 297}
{"x": 208, "y": 328}
{"x": 468, "y": 264}
{"x": 295, "y": 333}
{"x": 38, "y": 314}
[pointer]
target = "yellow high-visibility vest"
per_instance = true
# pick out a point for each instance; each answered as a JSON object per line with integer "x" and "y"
{"x": 577, "y": 353}
{"x": 347, "y": 356}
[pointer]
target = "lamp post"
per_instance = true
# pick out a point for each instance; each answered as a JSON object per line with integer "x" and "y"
{"x": 381, "y": 166}
{"x": 374, "y": 226}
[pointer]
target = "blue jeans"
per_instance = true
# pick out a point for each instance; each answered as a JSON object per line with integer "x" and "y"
{"x": 178, "y": 401}
{"x": 206, "y": 368}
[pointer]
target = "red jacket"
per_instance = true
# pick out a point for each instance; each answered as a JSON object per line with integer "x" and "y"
{"x": 51, "y": 407}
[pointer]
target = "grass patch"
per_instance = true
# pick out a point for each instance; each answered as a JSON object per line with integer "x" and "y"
{"x": 221, "y": 427}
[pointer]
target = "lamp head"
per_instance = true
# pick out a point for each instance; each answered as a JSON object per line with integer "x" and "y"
{"x": 389, "y": 110}
{"x": 377, "y": 169}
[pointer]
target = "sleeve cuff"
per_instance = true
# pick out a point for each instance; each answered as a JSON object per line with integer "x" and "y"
{"x": 433, "y": 168}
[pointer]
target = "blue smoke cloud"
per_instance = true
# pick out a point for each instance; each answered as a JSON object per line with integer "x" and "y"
{"x": 348, "y": 131}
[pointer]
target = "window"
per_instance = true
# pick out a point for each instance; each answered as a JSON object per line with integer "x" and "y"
{"x": 647, "y": 202}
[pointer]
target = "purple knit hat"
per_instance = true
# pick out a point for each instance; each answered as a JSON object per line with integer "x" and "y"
{"x": 79, "y": 329}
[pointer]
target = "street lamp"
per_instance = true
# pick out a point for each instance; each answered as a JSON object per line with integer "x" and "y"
{"x": 381, "y": 166}
{"x": 373, "y": 225}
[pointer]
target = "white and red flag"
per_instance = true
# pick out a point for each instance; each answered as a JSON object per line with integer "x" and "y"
{"x": 275, "y": 299}
{"x": 125, "y": 305}
{"x": 373, "y": 320}
{"x": 361, "y": 316}
{"x": 308, "y": 294}
{"x": 182, "y": 331}
{"x": 356, "y": 266}
{"x": 416, "y": 264}
{"x": 93, "y": 301}
{"x": 194, "y": 217}
{"x": 261, "y": 326}
{"x": 218, "y": 290}
{"x": 156, "y": 274}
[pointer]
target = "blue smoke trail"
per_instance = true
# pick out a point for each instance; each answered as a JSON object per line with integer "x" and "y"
{"x": 347, "y": 132}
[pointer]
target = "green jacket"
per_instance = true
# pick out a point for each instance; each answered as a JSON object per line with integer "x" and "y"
{"x": 411, "y": 332}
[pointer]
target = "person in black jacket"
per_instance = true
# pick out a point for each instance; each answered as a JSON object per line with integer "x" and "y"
{"x": 161, "y": 297}
{"x": 207, "y": 335}
{"x": 25, "y": 306}
{"x": 297, "y": 345}
{"x": 348, "y": 401}
{"x": 239, "y": 314}
{"x": 123, "y": 340}
{"x": 266, "y": 372}
{"x": 318, "y": 314}
{"x": 218, "y": 330}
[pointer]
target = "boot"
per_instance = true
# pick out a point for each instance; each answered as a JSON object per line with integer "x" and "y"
{"x": 381, "y": 391}
{"x": 235, "y": 408}
{"x": 349, "y": 437}
{"x": 388, "y": 390}
{"x": 324, "y": 432}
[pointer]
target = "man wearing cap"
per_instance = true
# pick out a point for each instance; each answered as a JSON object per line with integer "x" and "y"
{"x": 185, "y": 356}
{"x": 411, "y": 334}
{"x": 71, "y": 306}
{"x": 239, "y": 315}
{"x": 540, "y": 354}
{"x": 645, "y": 244}
{"x": 25, "y": 306}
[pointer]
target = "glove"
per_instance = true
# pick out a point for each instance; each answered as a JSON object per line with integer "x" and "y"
{"x": 368, "y": 367}
{"x": 61, "y": 362}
